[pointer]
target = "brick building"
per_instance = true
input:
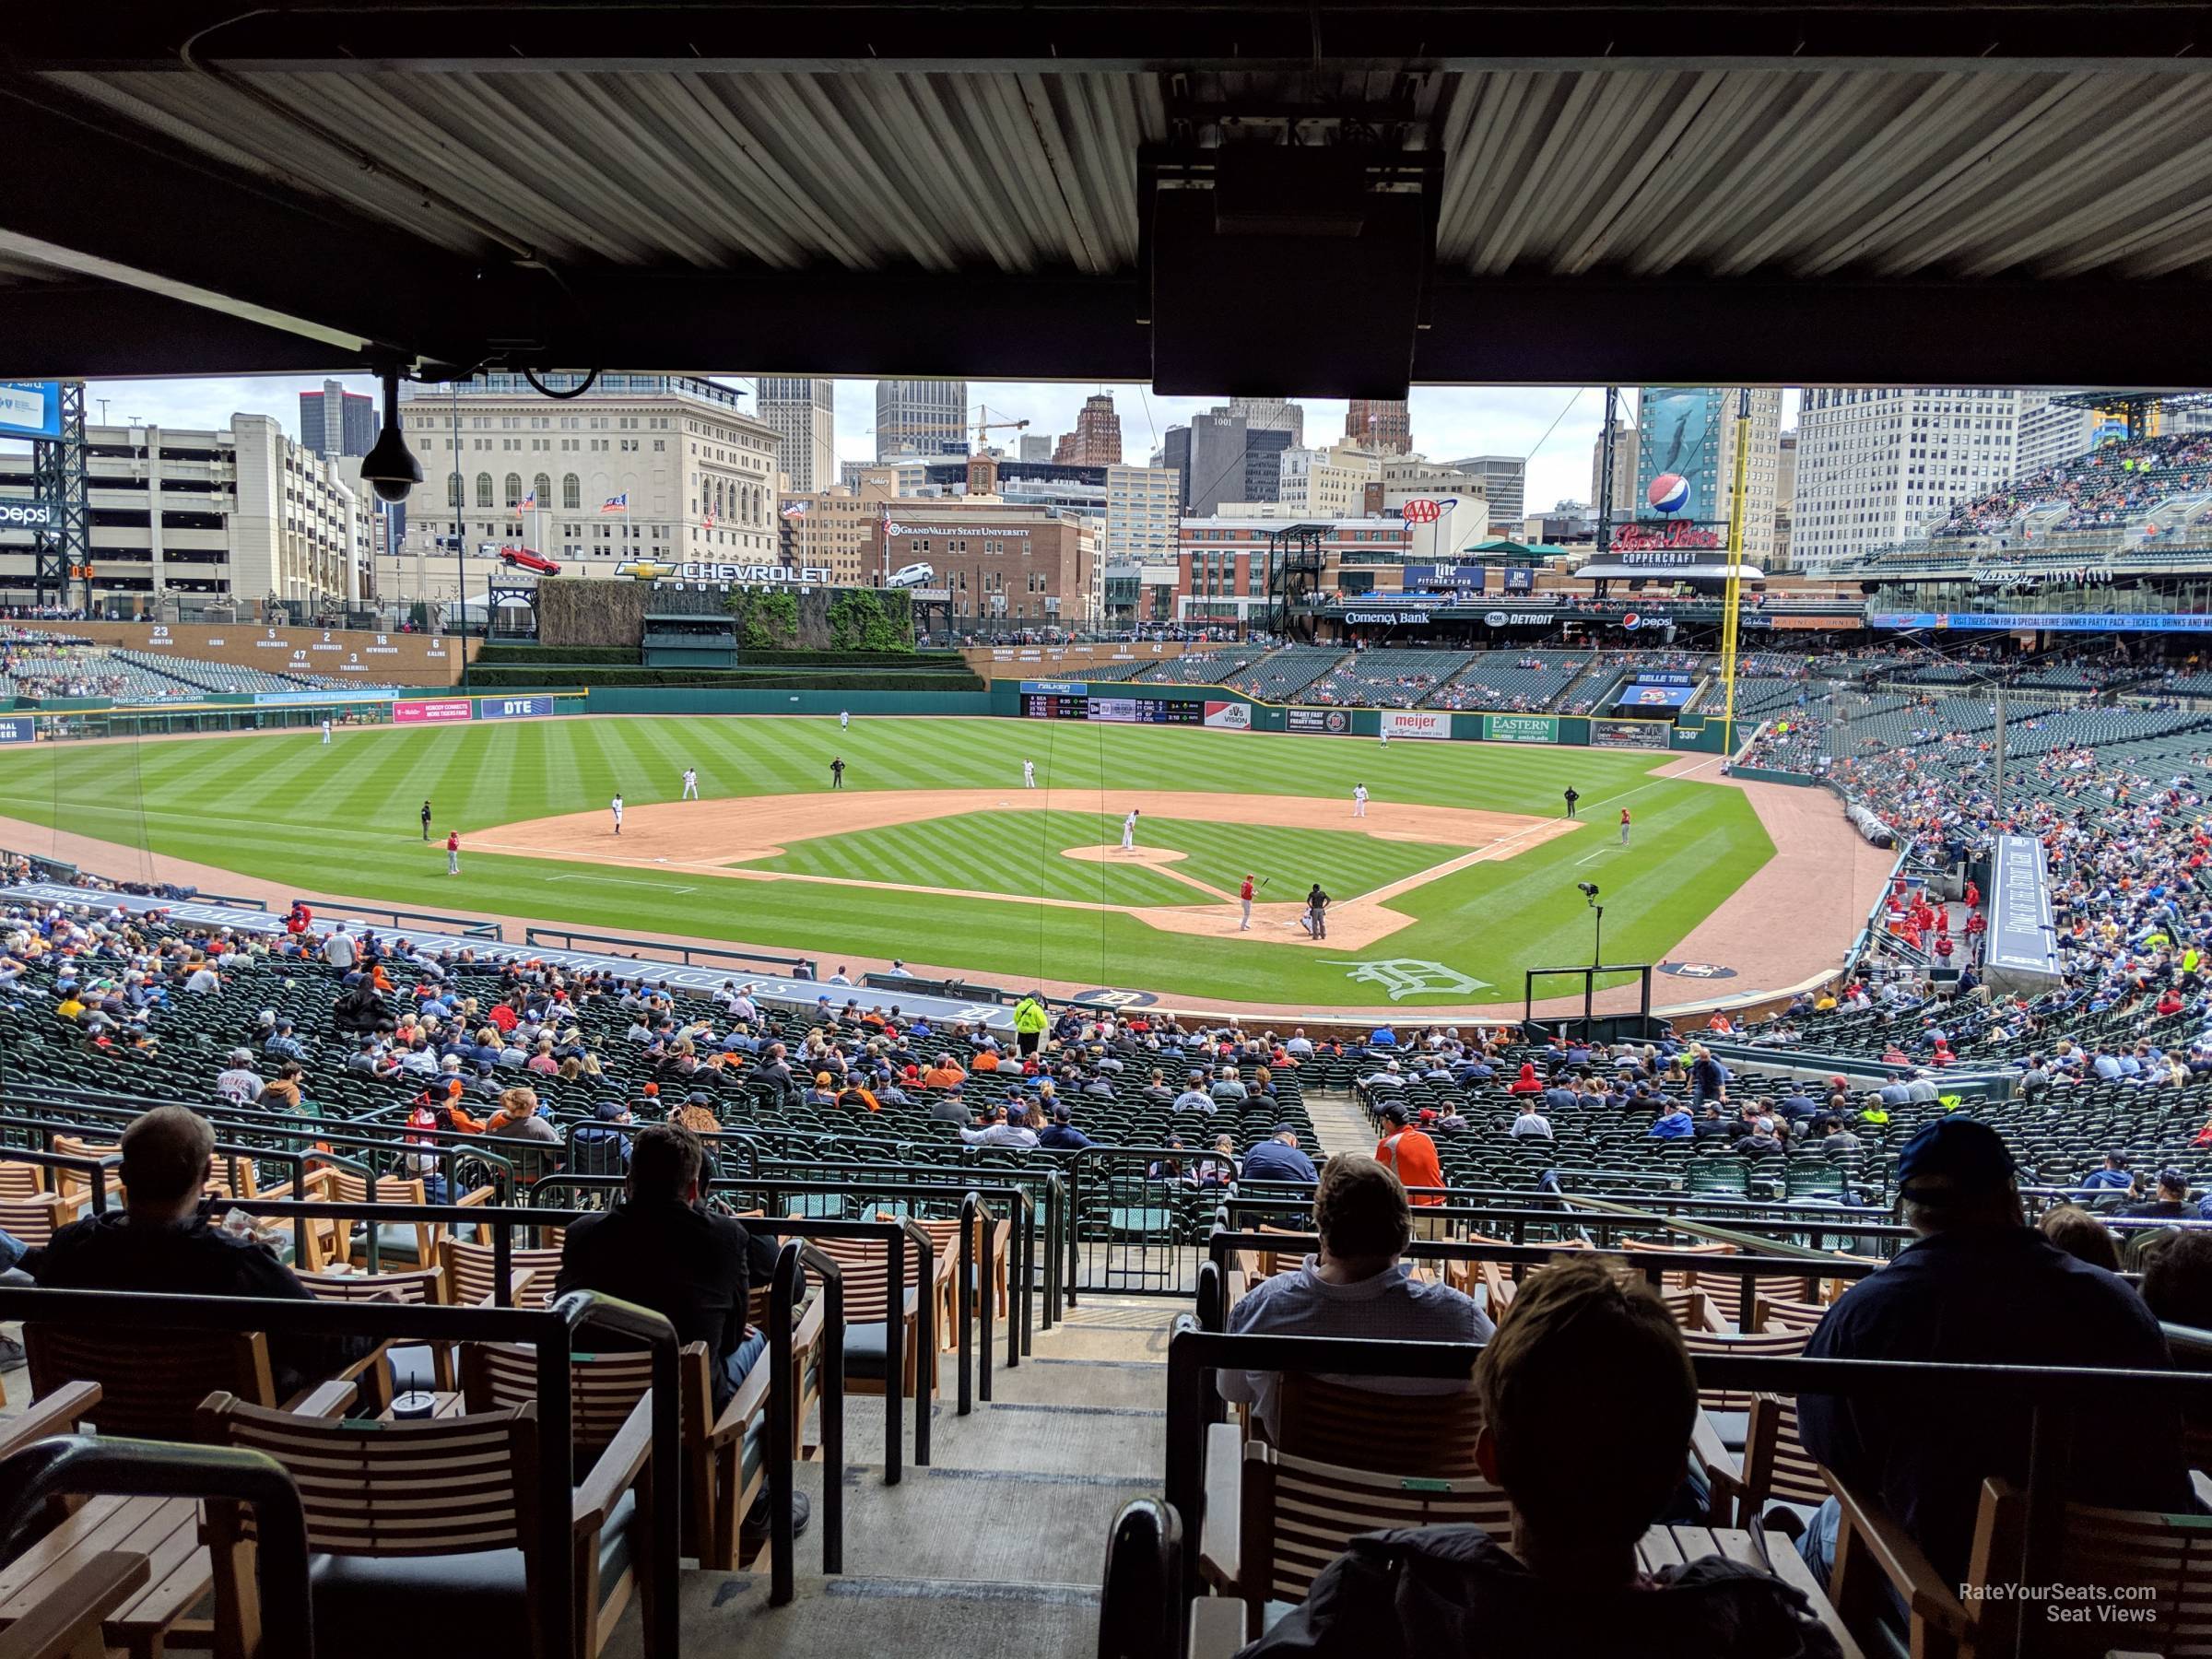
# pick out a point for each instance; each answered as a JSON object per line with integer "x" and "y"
{"x": 1019, "y": 566}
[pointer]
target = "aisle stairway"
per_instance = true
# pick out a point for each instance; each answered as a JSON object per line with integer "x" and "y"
{"x": 1340, "y": 1124}
{"x": 996, "y": 1549}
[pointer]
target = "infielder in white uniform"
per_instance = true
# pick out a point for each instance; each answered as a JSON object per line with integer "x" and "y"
{"x": 617, "y": 809}
{"x": 1129, "y": 831}
{"x": 326, "y": 728}
{"x": 1028, "y": 774}
{"x": 690, "y": 784}
{"x": 1359, "y": 800}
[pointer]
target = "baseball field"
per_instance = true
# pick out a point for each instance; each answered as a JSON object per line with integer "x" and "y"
{"x": 1462, "y": 872}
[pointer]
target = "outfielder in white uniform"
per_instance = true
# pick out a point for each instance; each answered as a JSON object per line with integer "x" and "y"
{"x": 1028, "y": 774}
{"x": 1129, "y": 831}
{"x": 617, "y": 810}
{"x": 690, "y": 784}
{"x": 1359, "y": 800}
{"x": 325, "y": 728}
{"x": 845, "y": 719}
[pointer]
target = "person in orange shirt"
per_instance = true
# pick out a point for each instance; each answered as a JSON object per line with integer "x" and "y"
{"x": 944, "y": 1075}
{"x": 1409, "y": 1155}
{"x": 986, "y": 1060}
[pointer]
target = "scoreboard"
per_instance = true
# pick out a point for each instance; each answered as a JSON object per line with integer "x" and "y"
{"x": 1051, "y": 700}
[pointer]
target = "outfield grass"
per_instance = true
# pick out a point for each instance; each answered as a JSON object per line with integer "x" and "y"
{"x": 1020, "y": 853}
{"x": 343, "y": 820}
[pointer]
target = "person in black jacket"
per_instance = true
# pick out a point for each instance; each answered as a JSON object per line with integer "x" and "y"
{"x": 661, "y": 1250}
{"x": 161, "y": 1242}
{"x": 1587, "y": 1401}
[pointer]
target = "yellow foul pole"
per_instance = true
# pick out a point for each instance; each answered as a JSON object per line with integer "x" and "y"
{"x": 1732, "y": 599}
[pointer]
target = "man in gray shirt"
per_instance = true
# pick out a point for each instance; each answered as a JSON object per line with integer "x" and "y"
{"x": 1194, "y": 1098}
{"x": 1355, "y": 1287}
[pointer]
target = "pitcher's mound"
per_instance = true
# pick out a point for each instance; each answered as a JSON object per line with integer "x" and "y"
{"x": 1118, "y": 855}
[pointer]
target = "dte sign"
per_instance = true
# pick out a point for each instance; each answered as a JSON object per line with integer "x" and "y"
{"x": 512, "y": 708}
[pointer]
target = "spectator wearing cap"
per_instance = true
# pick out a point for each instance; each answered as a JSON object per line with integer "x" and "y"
{"x": 1409, "y": 1155}
{"x": 1979, "y": 1286}
{"x": 240, "y": 1084}
{"x": 601, "y": 1146}
{"x": 1388, "y": 1075}
{"x": 2113, "y": 1177}
{"x": 1674, "y": 1123}
{"x": 1278, "y": 1158}
{"x": 2173, "y": 1202}
{"x": 1062, "y": 1135}
{"x": 1009, "y": 1127}
{"x": 1353, "y": 1287}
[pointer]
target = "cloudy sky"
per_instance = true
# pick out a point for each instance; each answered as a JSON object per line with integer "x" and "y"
{"x": 1553, "y": 427}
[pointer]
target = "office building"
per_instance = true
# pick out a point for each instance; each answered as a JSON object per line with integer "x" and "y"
{"x": 1383, "y": 425}
{"x": 1624, "y": 471}
{"x": 920, "y": 418}
{"x": 827, "y": 530}
{"x": 1222, "y": 570}
{"x": 1876, "y": 464}
{"x": 1504, "y": 480}
{"x": 1270, "y": 415}
{"x": 335, "y": 422}
{"x": 1004, "y": 565}
{"x": 2051, "y": 433}
{"x": 802, "y": 412}
{"x": 1036, "y": 448}
{"x": 661, "y": 468}
{"x": 1142, "y": 516}
{"x": 1097, "y": 439}
{"x": 1329, "y": 483}
{"x": 240, "y": 516}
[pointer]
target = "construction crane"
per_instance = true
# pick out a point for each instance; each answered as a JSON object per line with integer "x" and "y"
{"x": 981, "y": 426}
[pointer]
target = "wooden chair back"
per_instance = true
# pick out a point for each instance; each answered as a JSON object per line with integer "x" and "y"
{"x": 68, "y": 1183}
{"x": 1298, "y": 1515}
{"x": 34, "y": 1220}
{"x": 865, "y": 1265}
{"x": 445, "y": 1485}
{"x": 151, "y": 1383}
{"x": 1779, "y": 1312}
{"x": 1356, "y": 1428}
{"x": 1776, "y": 1465}
{"x": 1781, "y": 1344}
{"x": 1683, "y": 1278}
{"x": 22, "y": 1179}
{"x": 604, "y": 1388}
{"x": 471, "y": 1272}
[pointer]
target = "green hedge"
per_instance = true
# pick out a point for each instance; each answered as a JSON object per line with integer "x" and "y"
{"x": 500, "y": 657}
{"x": 555, "y": 676}
{"x": 944, "y": 660}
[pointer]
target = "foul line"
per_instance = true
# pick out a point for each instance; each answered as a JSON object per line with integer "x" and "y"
{"x": 625, "y": 881}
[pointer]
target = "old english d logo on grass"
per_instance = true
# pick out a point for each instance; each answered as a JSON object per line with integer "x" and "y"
{"x": 1405, "y": 976}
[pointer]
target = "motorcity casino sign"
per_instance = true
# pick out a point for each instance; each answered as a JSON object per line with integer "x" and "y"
{"x": 1662, "y": 545}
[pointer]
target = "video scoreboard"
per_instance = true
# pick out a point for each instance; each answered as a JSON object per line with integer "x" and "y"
{"x": 1059, "y": 700}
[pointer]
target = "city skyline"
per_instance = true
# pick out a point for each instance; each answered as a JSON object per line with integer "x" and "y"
{"x": 1447, "y": 420}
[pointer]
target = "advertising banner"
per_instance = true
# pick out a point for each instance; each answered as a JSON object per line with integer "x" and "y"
{"x": 1456, "y": 577}
{"x": 1643, "y": 696}
{"x": 1679, "y": 440}
{"x": 1630, "y": 734}
{"x": 1415, "y": 722}
{"x": 1228, "y": 716}
{"x": 1336, "y": 721}
{"x": 1057, "y": 687}
{"x": 511, "y": 708}
{"x": 31, "y": 408}
{"x": 18, "y": 728}
{"x": 1665, "y": 677}
{"x": 1119, "y": 711}
{"x": 1520, "y": 578}
{"x": 2059, "y": 621}
{"x": 29, "y": 515}
{"x": 1520, "y": 728}
{"x": 432, "y": 710}
{"x": 268, "y": 700}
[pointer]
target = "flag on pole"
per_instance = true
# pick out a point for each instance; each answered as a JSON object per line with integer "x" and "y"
{"x": 529, "y": 502}
{"x": 795, "y": 509}
{"x": 710, "y": 521}
{"x": 619, "y": 503}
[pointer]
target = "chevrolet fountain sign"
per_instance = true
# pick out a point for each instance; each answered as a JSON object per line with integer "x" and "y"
{"x": 732, "y": 574}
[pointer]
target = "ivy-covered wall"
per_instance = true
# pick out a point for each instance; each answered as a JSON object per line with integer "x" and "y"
{"x": 583, "y": 611}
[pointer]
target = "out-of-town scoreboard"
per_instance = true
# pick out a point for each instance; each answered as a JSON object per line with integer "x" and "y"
{"x": 1071, "y": 700}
